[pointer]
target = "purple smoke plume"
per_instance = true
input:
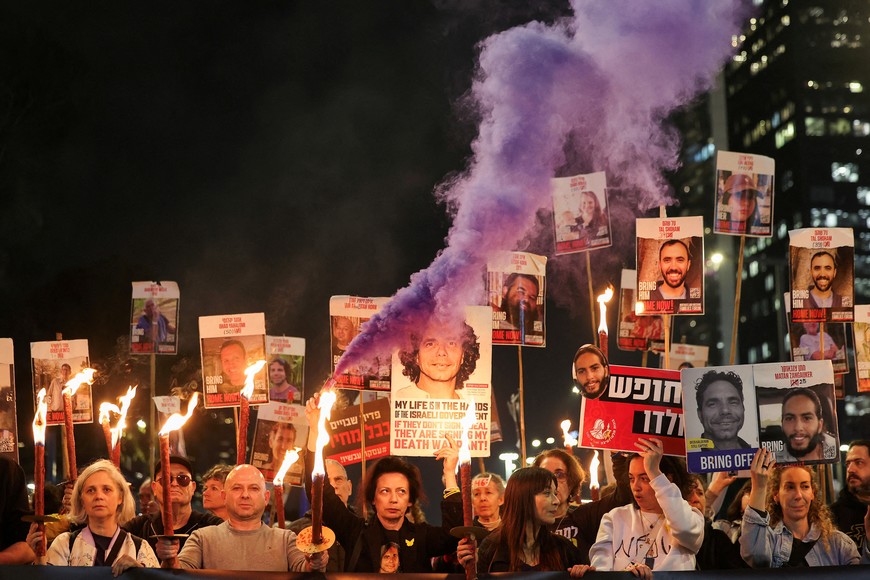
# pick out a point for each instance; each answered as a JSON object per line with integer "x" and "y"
{"x": 597, "y": 85}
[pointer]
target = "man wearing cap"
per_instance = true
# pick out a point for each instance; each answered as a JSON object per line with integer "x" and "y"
{"x": 184, "y": 518}
{"x": 740, "y": 204}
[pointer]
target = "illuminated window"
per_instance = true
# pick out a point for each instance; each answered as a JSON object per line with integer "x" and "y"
{"x": 844, "y": 172}
{"x": 815, "y": 126}
{"x": 840, "y": 127}
{"x": 860, "y": 128}
{"x": 784, "y": 135}
{"x": 856, "y": 87}
{"x": 864, "y": 195}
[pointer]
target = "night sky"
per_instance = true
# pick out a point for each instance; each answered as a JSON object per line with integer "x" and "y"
{"x": 264, "y": 155}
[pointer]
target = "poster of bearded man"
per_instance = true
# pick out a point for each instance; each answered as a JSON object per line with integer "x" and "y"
{"x": 822, "y": 263}
{"x": 670, "y": 265}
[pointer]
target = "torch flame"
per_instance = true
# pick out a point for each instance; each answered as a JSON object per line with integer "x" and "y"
{"x": 106, "y": 409}
{"x": 248, "y": 390}
{"x": 72, "y": 385}
{"x": 638, "y": 308}
{"x": 593, "y": 470}
{"x": 290, "y": 458}
{"x": 176, "y": 420}
{"x": 466, "y": 424}
{"x": 602, "y": 300}
{"x": 327, "y": 399}
{"x": 39, "y": 418}
{"x": 566, "y": 433}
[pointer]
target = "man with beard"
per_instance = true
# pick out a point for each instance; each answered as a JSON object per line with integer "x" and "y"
{"x": 591, "y": 371}
{"x": 720, "y": 409}
{"x": 823, "y": 268}
{"x": 852, "y": 508}
{"x": 519, "y": 300}
{"x": 804, "y": 429}
{"x": 674, "y": 263}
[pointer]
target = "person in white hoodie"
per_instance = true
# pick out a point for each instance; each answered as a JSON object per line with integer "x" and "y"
{"x": 659, "y": 530}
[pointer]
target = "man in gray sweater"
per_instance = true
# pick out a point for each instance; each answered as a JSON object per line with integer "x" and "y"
{"x": 243, "y": 542}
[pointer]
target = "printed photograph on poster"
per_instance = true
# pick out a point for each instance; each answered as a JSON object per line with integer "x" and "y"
{"x": 286, "y": 369}
{"x": 822, "y": 263}
{"x": 8, "y": 415}
{"x": 637, "y": 402}
{"x": 52, "y": 365}
{"x": 797, "y": 411}
{"x": 670, "y": 258}
{"x": 744, "y": 194}
{"x": 229, "y": 344}
{"x": 154, "y": 318}
{"x": 281, "y": 427}
{"x": 516, "y": 292}
{"x": 447, "y": 369}
{"x": 687, "y": 356}
{"x": 637, "y": 331}
{"x": 861, "y": 330}
{"x": 580, "y": 213}
{"x": 347, "y": 314}
{"x": 344, "y": 442}
{"x": 721, "y": 435}
{"x": 817, "y": 341}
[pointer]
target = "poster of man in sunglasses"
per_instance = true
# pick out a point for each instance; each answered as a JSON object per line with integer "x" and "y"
{"x": 744, "y": 194}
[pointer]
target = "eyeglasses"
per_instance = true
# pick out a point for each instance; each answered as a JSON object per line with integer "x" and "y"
{"x": 560, "y": 474}
{"x": 182, "y": 479}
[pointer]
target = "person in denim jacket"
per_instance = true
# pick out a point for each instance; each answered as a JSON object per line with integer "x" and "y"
{"x": 785, "y": 526}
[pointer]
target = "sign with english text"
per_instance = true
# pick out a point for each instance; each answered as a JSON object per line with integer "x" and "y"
{"x": 822, "y": 263}
{"x": 229, "y": 344}
{"x": 670, "y": 265}
{"x": 516, "y": 292}
{"x": 53, "y": 363}
{"x": 347, "y": 315}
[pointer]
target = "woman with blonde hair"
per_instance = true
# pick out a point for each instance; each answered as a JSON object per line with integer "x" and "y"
{"x": 101, "y": 500}
{"x": 785, "y": 526}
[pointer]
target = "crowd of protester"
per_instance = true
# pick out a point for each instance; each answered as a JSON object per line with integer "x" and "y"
{"x": 657, "y": 516}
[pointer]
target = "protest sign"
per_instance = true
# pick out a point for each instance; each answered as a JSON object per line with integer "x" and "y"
{"x": 670, "y": 265}
{"x": 8, "y": 415}
{"x": 861, "y": 330}
{"x": 447, "y": 378}
{"x": 281, "y": 427}
{"x": 229, "y": 344}
{"x": 637, "y": 330}
{"x": 344, "y": 432}
{"x": 154, "y": 318}
{"x": 53, "y": 363}
{"x": 581, "y": 215}
{"x": 347, "y": 314}
{"x": 638, "y": 402}
{"x": 286, "y": 369}
{"x": 744, "y": 194}
{"x": 822, "y": 262}
{"x": 516, "y": 290}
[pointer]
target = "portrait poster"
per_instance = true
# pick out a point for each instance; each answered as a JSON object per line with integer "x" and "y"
{"x": 744, "y": 194}
{"x": 687, "y": 356}
{"x": 817, "y": 341}
{"x": 454, "y": 357}
{"x": 53, "y": 363}
{"x": 347, "y": 314}
{"x": 637, "y": 330}
{"x": 516, "y": 292}
{"x": 861, "y": 330}
{"x": 638, "y": 402}
{"x": 286, "y": 369}
{"x": 280, "y": 427}
{"x": 580, "y": 213}
{"x": 229, "y": 344}
{"x": 822, "y": 263}
{"x": 670, "y": 259}
{"x": 8, "y": 414}
{"x": 154, "y": 318}
{"x": 797, "y": 411}
{"x": 344, "y": 432}
{"x": 721, "y": 418}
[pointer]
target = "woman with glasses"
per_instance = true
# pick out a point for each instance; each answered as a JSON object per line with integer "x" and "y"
{"x": 101, "y": 500}
{"x": 785, "y": 526}
{"x": 659, "y": 530}
{"x": 523, "y": 542}
{"x": 579, "y": 523}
